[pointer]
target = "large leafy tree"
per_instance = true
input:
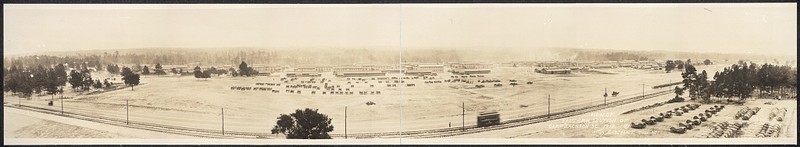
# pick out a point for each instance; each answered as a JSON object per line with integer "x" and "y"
{"x": 690, "y": 78}
{"x": 39, "y": 79}
{"x": 678, "y": 91}
{"x": 703, "y": 86}
{"x": 130, "y": 78}
{"x": 97, "y": 84}
{"x": 26, "y": 85}
{"x": 87, "y": 79}
{"x": 159, "y": 70}
{"x": 60, "y": 74}
{"x": 106, "y": 83}
{"x": 52, "y": 84}
{"x": 304, "y": 124}
{"x": 707, "y": 62}
{"x": 679, "y": 64}
{"x": 233, "y": 72}
{"x": 75, "y": 79}
{"x": 10, "y": 81}
{"x": 206, "y": 74}
{"x": 197, "y": 72}
{"x": 244, "y": 70}
{"x": 669, "y": 66}
{"x": 146, "y": 70}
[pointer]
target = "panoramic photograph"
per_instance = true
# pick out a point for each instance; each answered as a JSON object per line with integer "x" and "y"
{"x": 402, "y": 72}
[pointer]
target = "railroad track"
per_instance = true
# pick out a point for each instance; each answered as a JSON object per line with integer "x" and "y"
{"x": 447, "y": 132}
{"x": 428, "y": 133}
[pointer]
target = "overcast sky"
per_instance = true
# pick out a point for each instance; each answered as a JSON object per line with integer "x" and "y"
{"x": 726, "y": 28}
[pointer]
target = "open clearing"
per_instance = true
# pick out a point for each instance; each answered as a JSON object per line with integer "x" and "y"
{"x": 192, "y": 103}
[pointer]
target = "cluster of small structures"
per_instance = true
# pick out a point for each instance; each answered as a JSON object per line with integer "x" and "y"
{"x": 727, "y": 130}
{"x": 768, "y": 130}
{"x": 777, "y": 114}
{"x": 746, "y": 113}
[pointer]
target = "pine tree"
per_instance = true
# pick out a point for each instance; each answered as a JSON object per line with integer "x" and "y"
{"x": 97, "y": 84}
{"x": 39, "y": 79}
{"x": 61, "y": 74}
{"x": 159, "y": 70}
{"x": 106, "y": 83}
{"x": 233, "y": 72}
{"x": 197, "y": 73}
{"x": 244, "y": 70}
{"x": 145, "y": 70}
{"x": 129, "y": 77}
{"x": 10, "y": 81}
{"x": 51, "y": 86}
{"x": 76, "y": 79}
{"x": 669, "y": 66}
{"x": 87, "y": 81}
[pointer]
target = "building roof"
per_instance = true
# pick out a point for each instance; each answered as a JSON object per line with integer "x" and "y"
{"x": 556, "y": 69}
{"x": 356, "y": 72}
{"x": 475, "y": 70}
{"x": 430, "y": 65}
{"x": 417, "y": 71}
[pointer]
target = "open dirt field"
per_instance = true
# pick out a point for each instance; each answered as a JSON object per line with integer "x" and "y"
{"x": 197, "y": 103}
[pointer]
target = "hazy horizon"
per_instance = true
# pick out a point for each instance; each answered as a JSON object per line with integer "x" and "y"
{"x": 768, "y": 29}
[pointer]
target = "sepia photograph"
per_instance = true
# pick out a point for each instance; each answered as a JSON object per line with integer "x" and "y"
{"x": 400, "y": 73}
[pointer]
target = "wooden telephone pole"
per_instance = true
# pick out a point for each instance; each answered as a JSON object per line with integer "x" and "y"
{"x": 223, "y": 121}
{"x": 345, "y": 122}
{"x": 127, "y": 111}
{"x": 548, "y": 106}
{"x": 61, "y": 90}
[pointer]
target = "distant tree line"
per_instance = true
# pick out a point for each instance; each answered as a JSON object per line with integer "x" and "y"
{"x": 670, "y": 65}
{"x": 183, "y": 57}
{"x": 613, "y": 56}
{"x": 78, "y": 63}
